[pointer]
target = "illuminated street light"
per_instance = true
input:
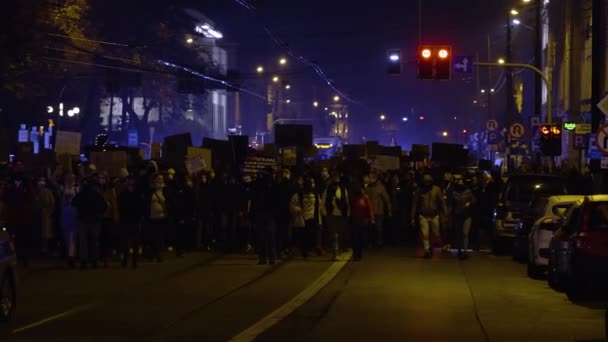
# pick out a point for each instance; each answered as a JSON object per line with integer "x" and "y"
{"x": 382, "y": 117}
{"x": 283, "y": 61}
{"x": 315, "y": 104}
{"x": 514, "y": 12}
{"x": 516, "y": 22}
{"x": 275, "y": 79}
{"x": 527, "y": 1}
{"x": 336, "y": 98}
{"x": 260, "y": 69}
{"x": 288, "y": 87}
{"x": 421, "y": 118}
{"x": 492, "y": 90}
{"x": 464, "y": 131}
{"x": 444, "y": 133}
{"x": 404, "y": 119}
{"x": 501, "y": 61}
{"x": 288, "y": 101}
{"x": 394, "y": 57}
{"x": 474, "y": 101}
{"x": 483, "y": 91}
{"x": 455, "y": 118}
{"x": 326, "y": 109}
{"x": 190, "y": 40}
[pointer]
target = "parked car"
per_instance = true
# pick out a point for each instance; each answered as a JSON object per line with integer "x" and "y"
{"x": 534, "y": 211}
{"x": 8, "y": 276}
{"x": 578, "y": 254}
{"x": 517, "y": 194}
{"x": 543, "y": 228}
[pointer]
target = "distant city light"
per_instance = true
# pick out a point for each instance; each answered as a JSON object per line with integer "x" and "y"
{"x": 501, "y": 61}
{"x": 483, "y": 91}
{"x": 421, "y": 117}
{"x": 325, "y": 109}
{"x": 336, "y": 98}
{"x": 382, "y": 117}
{"x": 444, "y": 133}
{"x": 474, "y": 101}
{"x": 260, "y": 69}
{"x": 189, "y": 40}
{"x": 492, "y": 90}
{"x": 283, "y": 61}
{"x": 464, "y": 131}
{"x": 288, "y": 101}
{"x": 275, "y": 79}
{"x": 394, "y": 57}
{"x": 288, "y": 87}
{"x": 516, "y": 22}
{"x": 404, "y": 119}
{"x": 455, "y": 118}
{"x": 76, "y": 110}
{"x": 514, "y": 12}
{"x": 315, "y": 104}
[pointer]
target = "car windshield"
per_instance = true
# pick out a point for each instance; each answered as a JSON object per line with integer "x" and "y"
{"x": 560, "y": 209}
{"x": 598, "y": 219}
{"x": 524, "y": 189}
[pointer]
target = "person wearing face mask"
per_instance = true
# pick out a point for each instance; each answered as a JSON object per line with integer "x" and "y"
{"x": 131, "y": 214}
{"x": 45, "y": 205}
{"x": 18, "y": 198}
{"x": 461, "y": 203}
{"x": 427, "y": 206}
{"x": 381, "y": 203}
{"x": 109, "y": 234}
{"x": 184, "y": 213}
{"x": 157, "y": 215}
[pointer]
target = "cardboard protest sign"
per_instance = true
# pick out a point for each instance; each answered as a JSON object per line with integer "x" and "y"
{"x": 110, "y": 161}
{"x": 68, "y": 143}
{"x": 155, "y": 151}
{"x": 205, "y": 156}
{"x": 289, "y": 156}
{"x": 386, "y": 163}
{"x": 196, "y": 164}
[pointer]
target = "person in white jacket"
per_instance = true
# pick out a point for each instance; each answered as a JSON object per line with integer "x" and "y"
{"x": 305, "y": 209}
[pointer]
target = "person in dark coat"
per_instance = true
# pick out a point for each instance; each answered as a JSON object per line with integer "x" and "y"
{"x": 131, "y": 214}
{"x": 263, "y": 207}
{"x": 91, "y": 207}
{"x": 19, "y": 201}
{"x": 184, "y": 213}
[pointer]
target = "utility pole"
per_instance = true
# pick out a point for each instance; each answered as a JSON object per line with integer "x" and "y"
{"x": 538, "y": 58}
{"x": 598, "y": 58}
{"x": 509, "y": 76}
{"x": 489, "y": 93}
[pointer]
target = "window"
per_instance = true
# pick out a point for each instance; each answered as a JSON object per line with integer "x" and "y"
{"x": 572, "y": 220}
{"x": 560, "y": 209}
{"x": 598, "y": 219}
{"x": 524, "y": 189}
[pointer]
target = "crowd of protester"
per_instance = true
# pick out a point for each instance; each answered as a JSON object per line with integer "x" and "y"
{"x": 90, "y": 219}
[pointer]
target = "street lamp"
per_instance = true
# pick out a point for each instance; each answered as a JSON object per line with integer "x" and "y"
{"x": 514, "y": 12}
{"x": 275, "y": 79}
{"x": 404, "y": 119}
{"x": 474, "y": 101}
{"x": 190, "y": 40}
{"x": 382, "y": 117}
{"x": 492, "y": 90}
{"x": 444, "y": 134}
{"x": 283, "y": 61}
{"x": 260, "y": 69}
{"x": 288, "y": 101}
{"x": 336, "y": 98}
{"x": 315, "y": 104}
{"x": 288, "y": 86}
{"x": 501, "y": 61}
{"x": 516, "y": 21}
{"x": 455, "y": 118}
{"x": 483, "y": 91}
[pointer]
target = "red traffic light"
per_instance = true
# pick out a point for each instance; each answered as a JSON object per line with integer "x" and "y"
{"x": 443, "y": 53}
{"x": 550, "y": 129}
{"x": 545, "y": 130}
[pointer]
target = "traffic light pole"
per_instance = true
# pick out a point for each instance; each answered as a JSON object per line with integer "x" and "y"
{"x": 537, "y": 71}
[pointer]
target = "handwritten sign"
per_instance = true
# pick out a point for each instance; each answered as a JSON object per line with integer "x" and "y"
{"x": 257, "y": 164}
{"x": 68, "y": 143}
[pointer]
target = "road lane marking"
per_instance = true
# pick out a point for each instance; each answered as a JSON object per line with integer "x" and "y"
{"x": 55, "y": 317}
{"x": 300, "y": 299}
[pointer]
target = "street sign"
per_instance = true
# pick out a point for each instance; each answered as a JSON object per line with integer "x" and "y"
{"x": 603, "y": 105}
{"x": 601, "y": 139}
{"x": 593, "y": 152}
{"x": 580, "y": 141}
{"x": 492, "y": 125}
{"x": 492, "y": 138}
{"x": 604, "y": 163}
{"x": 517, "y": 130}
{"x": 463, "y": 64}
{"x": 534, "y": 122}
{"x": 582, "y": 129}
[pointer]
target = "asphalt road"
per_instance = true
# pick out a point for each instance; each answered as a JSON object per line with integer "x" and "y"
{"x": 392, "y": 295}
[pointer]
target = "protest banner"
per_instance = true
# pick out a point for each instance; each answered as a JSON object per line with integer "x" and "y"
{"x": 110, "y": 161}
{"x": 386, "y": 163}
{"x": 255, "y": 164}
{"x": 289, "y": 156}
{"x": 204, "y": 153}
{"x": 68, "y": 143}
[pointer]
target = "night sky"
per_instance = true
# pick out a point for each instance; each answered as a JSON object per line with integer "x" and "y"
{"x": 349, "y": 39}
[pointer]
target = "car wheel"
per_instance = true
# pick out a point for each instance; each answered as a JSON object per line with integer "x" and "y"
{"x": 534, "y": 271}
{"x": 7, "y": 298}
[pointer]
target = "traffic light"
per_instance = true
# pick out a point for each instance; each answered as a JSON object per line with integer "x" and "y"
{"x": 426, "y": 63}
{"x": 394, "y": 62}
{"x": 443, "y": 63}
{"x": 550, "y": 140}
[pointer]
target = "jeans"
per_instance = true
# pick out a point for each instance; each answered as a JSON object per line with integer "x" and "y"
{"x": 426, "y": 224}
{"x": 359, "y": 236}
{"x": 462, "y": 227}
{"x": 88, "y": 236}
{"x": 379, "y": 228}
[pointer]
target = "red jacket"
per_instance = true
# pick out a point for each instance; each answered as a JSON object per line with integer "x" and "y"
{"x": 361, "y": 210}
